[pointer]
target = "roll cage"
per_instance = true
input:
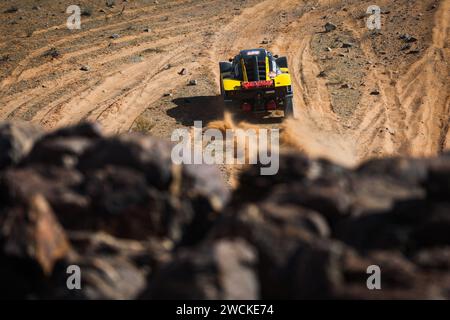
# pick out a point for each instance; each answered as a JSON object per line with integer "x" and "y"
{"x": 257, "y": 63}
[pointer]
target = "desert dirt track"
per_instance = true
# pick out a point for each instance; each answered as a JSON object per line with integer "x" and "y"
{"x": 374, "y": 98}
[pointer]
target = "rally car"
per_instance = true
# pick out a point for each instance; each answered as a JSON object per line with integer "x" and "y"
{"x": 257, "y": 81}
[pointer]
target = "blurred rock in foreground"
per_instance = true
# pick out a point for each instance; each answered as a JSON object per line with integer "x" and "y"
{"x": 140, "y": 227}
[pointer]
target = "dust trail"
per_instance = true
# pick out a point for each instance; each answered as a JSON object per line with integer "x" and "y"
{"x": 303, "y": 136}
{"x": 297, "y": 134}
{"x": 316, "y": 143}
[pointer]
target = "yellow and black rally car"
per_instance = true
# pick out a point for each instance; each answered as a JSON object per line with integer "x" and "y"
{"x": 257, "y": 81}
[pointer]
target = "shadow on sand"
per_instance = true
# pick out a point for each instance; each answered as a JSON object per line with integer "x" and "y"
{"x": 210, "y": 108}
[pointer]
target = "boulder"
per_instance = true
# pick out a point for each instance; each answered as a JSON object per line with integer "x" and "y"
{"x": 140, "y": 226}
{"x": 31, "y": 243}
{"x": 329, "y": 27}
{"x": 223, "y": 269}
{"x": 111, "y": 268}
{"x": 16, "y": 140}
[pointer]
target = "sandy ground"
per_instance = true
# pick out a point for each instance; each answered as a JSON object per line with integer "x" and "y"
{"x": 133, "y": 82}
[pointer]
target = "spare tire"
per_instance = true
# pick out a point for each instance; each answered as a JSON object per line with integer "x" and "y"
{"x": 282, "y": 62}
{"x": 225, "y": 67}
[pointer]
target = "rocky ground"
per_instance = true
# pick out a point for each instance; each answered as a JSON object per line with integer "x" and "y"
{"x": 140, "y": 227}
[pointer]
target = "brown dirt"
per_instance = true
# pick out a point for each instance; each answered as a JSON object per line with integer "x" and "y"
{"x": 130, "y": 77}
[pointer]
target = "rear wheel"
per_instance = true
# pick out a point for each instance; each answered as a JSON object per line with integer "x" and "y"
{"x": 288, "y": 107}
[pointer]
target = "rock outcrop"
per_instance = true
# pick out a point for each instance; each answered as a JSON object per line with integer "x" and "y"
{"x": 140, "y": 227}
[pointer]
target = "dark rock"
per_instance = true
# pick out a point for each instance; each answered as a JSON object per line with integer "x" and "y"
{"x": 32, "y": 232}
{"x": 86, "y": 12}
{"x": 16, "y": 140}
{"x": 276, "y": 232}
{"x": 58, "y": 186}
{"x": 141, "y": 227}
{"x": 112, "y": 278}
{"x": 372, "y": 231}
{"x": 86, "y": 130}
{"x": 318, "y": 185}
{"x": 224, "y": 269}
{"x": 408, "y": 172}
{"x": 331, "y": 270}
{"x": 437, "y": 183}
{"x": 433, "y": 230}
{"x": 208, "y": 197}
{"x": 317, "y": 271}
{"x": 399, "y": 278}
{"x": 111, "y": 268}
{"x": 12, "y": 9}
{"x": 110, "y": 3}
{"x": 438, "y": 258}
{"x": 31, "y": 243}
{"x": 123, "y": 205}
{"x": 63, "y": 151}
{"x": 150, "y": 155}
{"x": 405, "y": 47}
{"x": 5, "y": 58}
{"x": 407, "y": 38}
{"x": 397, "y": 271}
{"x": 126, "y": 186}
{"x": 52, "y": 52}
{"x": 329, "y": 27}
{"x": 379, "y": 206}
